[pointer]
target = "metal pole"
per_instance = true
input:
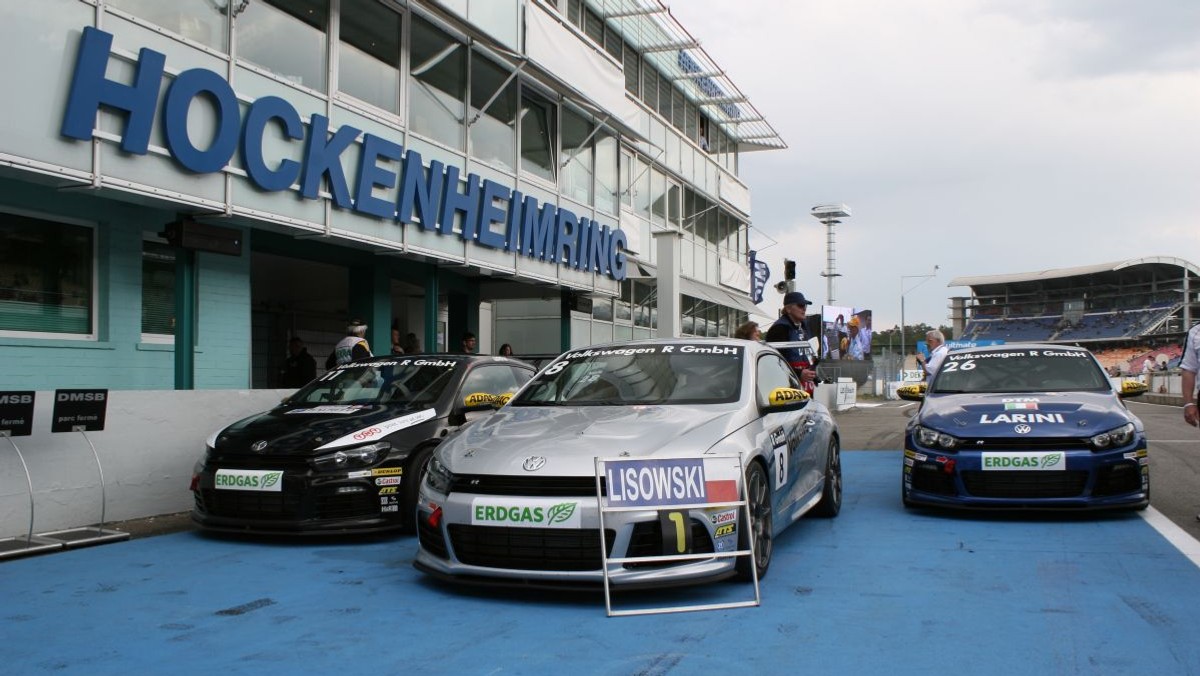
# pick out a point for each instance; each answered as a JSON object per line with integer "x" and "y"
{"x": 831, "y": 258}
{"x": 103, "y": 500}
{"x": 29, "y": 481}
{"x": 903, "y": 353}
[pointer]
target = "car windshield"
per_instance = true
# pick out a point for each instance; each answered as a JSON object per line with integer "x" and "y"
{"x": 1019, "y": 370}
{"x": 401, "y": 381}
{"x": 639, "y": 374}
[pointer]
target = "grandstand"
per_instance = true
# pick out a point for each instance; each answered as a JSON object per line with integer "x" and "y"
{"x": 1129, "y": 310}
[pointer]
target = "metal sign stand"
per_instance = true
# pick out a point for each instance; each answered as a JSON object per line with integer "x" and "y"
{"x": 88, "y": 535}
{"x": 743, "y": 505}
{"x": 30, "y": 544}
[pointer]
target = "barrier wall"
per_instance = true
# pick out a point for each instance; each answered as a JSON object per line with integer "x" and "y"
{"x": 149, "y": 444}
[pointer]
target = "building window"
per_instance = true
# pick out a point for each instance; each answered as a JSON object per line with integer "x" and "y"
{"x": 577, "y": 149}
{"x": 626, "y": 177}
{"x": 287, "y": 38}
{"x": 200, "y": 20}
{"x": 537, "y": 137}
{"x": 438, "y": 85}
{"x": 369, "y": 58}
{"x": 158, "y": 289}
{"x": 494, "y": 133}
{"x": 46, "y": 276}
{"x": 606, "y": 172}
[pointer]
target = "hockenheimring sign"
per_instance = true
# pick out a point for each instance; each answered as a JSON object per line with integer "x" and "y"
{"x": 430, "y": 199}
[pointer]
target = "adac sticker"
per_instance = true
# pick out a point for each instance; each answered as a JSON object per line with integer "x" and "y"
{"x": 381, "y": 429}
{"x": 482, "y": 399}
{"x": 784, "y": 395}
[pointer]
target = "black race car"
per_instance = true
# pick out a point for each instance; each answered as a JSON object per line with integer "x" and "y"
{"x": 346, "y": 452}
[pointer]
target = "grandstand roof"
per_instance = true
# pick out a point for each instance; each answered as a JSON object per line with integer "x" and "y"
{"x": 1062, "y": 273}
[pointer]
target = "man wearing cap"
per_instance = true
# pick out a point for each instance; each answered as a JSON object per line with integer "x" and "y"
{"x": 790, "y": 328}
{"x": 353, "y": 347}
{"x": 854, "y": 344}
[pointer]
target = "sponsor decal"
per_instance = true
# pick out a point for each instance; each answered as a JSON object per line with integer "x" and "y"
{"x": 387, "y": 481}
{"x": 784, "y": 395}
{"x": 720, "y": 350}
{"x": 909, "y": 462}
{"x": 387, "y": 471}
{"x": 1049, "y": 461}
{"x": 381, "y": 429}
{"x": 441, "y": 363}
{"x": 266, "y": 481}
{"x": 1008, "y": 400}
{"x": 326, "y": 409}
{"x": 1030, "y": 418}
{"x": 389, "y": 500}
{"x": 669, "y": 481}
{"x": 1021, "y": 406}
{"x": 358, "y": 474}
{"x": 723, "y": 516}
{"x": 1076, "y": 354}
{"x": 725, "y": 529}
{"x": 389, "y": 508}
{"x": 388, "y": 490}
{"x": 482, "y": 399}
{"x": 778, "y": 438}
{"x": 526, "y": 512}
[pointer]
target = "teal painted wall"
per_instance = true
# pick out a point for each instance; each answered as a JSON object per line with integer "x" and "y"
{"x": 118, "y": 359}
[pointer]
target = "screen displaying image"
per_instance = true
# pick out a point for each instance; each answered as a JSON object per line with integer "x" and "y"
{"x": 845, "y": 332}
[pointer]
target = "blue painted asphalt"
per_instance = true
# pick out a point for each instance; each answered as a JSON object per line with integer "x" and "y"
{"x": 877, "y": 590}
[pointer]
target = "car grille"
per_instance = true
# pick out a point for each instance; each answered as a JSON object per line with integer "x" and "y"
{"x": 1024, "y": 443}
{"x": 931, "y": 479}
{"x": 293, "y": 463}
{"x": 285, "y": 505}
{"x": 1025, "y": 484}
{"x": 549, "y": 486}
{"x": 647, "y": 540}
{"x": 431, "y": 539}
{"x": 555, "y": 549}
{"x": 1118, "y": 479}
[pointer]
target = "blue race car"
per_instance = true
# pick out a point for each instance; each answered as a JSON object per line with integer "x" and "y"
{"x": 1024, "y": 426}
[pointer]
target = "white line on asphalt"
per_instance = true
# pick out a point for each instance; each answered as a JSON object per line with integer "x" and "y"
{"x": 907, "y": 405}
{"x": 1184, "y": 542}
{"x": 1174, "y": 441}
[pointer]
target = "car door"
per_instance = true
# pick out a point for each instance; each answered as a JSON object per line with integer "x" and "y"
{"x": 783, "y": 433}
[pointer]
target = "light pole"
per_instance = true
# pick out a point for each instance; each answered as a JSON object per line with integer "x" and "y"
{"x": 830, "y": 215}
{"x": 923, "y": 278}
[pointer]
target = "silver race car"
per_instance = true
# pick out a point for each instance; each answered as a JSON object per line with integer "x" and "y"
{"x": 515, "y": 498}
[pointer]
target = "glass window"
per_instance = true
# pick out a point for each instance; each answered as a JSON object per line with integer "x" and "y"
{"x": 626, "y": 178}
{"x": 613, "y": 44}
{"x": 641, "y": 188}
{"x": 577, "y": 149}
{"x": 369, "y": 58}
{"x": 673, "y": 203}
{"x": 286, "y": 38}
{"x": 158, "y": 288}
{"x": 606, "y": 172}
{"x": 690, "y": 119}
{"x": 45, "y": 276}
{"x": 630, "y": 60}
{"x": 773, "y": 373}
{"x": 649, "y": 85}
{"x": 438, "y": 84}
{"x": 494, "y": 134}
{"x": 493, "y": 379}
{"x": 537, "y": 136}
{"x": 593, "y": 26}
{"x": 199, "y": 20}
{"x": 658, "y": 196}
{"x": 664, "y": 98}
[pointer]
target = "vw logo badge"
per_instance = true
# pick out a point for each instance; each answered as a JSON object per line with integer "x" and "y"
{"x": 533, "y": 463}
{"x": 1022, "y": 429}
{"x": 259, "y": 446}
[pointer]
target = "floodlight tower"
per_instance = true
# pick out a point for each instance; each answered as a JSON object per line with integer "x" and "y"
{"x": 830, "y": 215}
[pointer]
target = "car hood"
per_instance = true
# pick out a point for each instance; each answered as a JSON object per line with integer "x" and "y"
{"x": 312, "y": 429}
{"x": 1057, "y": 414}
{"x": 570, "y": 437}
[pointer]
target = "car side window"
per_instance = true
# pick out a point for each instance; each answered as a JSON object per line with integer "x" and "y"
{"x": 492, "y": 379}
{"x": 772, "y": 373}
{"x": 522, "y": 375}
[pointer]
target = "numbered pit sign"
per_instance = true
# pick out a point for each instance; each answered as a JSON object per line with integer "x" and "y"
{"x": 79, "y": 410}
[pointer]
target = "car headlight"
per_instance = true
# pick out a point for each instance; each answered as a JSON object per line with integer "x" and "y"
{"x": 1116, "y": 437}
{"x": 935, "y": 439}
{"x": 350, "y": 458}
{"x": 437, "y": 477}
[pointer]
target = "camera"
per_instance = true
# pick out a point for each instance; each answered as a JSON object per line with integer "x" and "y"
{"x": 781, "y": 287}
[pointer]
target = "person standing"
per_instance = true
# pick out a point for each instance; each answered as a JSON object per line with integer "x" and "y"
{"x": 1189, "y": 364}
{"x": 505, "y": 350}
{"x": 748, "y": 331}
{"x": 937, "y": 352}
{"x": 351, "y": 348}
{"x": 790, "y": 328}
{"x": 299, "y": 368}
{"x": 468, "y": 343}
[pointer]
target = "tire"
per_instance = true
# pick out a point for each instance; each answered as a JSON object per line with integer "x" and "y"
{"x": 831, "y": 499}
{"x": 758, "y": 497}
{"x": 414, "y": 474}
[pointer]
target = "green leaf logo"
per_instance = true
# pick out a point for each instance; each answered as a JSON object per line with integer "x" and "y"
{"x": 1051, "y": 459}
{"x": 271, "y": 478}
{"x": 560, "y": 512}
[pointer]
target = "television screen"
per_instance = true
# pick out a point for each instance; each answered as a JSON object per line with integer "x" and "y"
{"x": 845, "y": 332}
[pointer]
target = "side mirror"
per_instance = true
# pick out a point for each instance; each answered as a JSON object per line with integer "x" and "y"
{"x": 483, "y": 401}
{"x": 1132, "y": 388}
{"x": 911, "y": 392}
{"x": 786, "y": 399}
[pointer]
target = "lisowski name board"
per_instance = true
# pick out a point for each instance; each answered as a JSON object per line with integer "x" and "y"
{"x": 493, "y": 215}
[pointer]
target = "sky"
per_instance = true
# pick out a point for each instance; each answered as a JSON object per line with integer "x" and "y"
{"x": 981, "y": 136}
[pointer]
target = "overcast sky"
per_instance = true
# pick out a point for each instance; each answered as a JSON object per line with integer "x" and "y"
{"x": 983, "y": 136}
